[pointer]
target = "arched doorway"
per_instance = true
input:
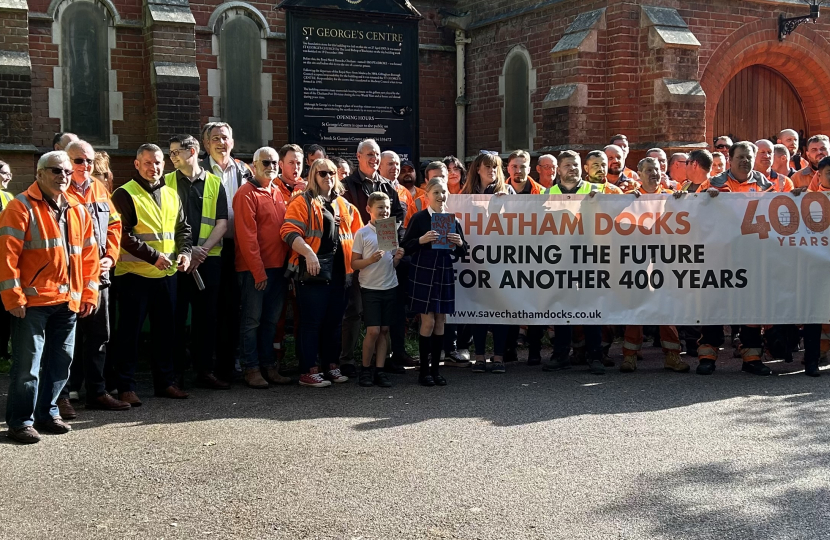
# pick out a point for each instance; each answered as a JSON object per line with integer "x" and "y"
{"x": 758, "y": 103}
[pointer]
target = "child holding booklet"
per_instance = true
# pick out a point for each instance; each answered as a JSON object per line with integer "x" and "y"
{"x": 431, "y": 279}
{"x": 378, "y": 283}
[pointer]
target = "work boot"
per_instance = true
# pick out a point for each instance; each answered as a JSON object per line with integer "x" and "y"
{"x": 254, "y": 379}
{"x": 272, "y": 375}
{"x": 366, "y": 377}
{"x": 557, "y": 363}
{"x": 674, "y": 363}
{"x": 66, "y": 409}
{"x": 756, "y": 367}
{"x": 705, "y": 367}
{"x": 811, "y": 368}
{"x": 629, "y": 363}
{"x": 596, "y": 367}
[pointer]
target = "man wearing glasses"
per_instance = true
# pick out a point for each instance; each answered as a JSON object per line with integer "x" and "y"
{"x": 259, "y": 207}
{"x": 48, "y": 276}
{"x": 206, "y": 208}
{"x": 722, "y": 145}
{"x": 677, "y": 168}
{"x": 546, "y": 168}
{"x": 93, "y": 332}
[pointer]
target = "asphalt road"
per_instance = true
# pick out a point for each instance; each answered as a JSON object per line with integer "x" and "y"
{"x": 527, "y": 454}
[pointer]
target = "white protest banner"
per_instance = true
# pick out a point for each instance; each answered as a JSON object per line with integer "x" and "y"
{"x": 738, "y": 258}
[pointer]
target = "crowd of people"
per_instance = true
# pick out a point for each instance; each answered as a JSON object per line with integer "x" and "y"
{"x": 225, "y": 258}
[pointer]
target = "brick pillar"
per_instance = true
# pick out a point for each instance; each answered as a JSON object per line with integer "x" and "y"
{"x": 169, "y": 34}
{"x": 16, "y": 92}
{"x": 671, "y": 98}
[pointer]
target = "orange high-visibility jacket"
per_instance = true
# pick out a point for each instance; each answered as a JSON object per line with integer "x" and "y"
{"x": 408, "y": 203}
{"x": 108, "y": 228}
{"x": 34, "y": 270}
{"x": 298, "y": 223}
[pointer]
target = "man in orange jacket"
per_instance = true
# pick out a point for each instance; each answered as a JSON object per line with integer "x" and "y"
{"x": 93, "y": 332}
{"x": 48, "y": 276}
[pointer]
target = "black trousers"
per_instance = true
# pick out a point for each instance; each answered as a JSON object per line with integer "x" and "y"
{"x": 227, "y": 318}
{"x": 397, "y": 330}
{"x": 203, "y": 307}
{"x": 5, "y": 332}
{"x": 457, "y": 336}
{"x": 138, "y": 297}
{"x": 812, "y": 342}
{"x": 92, "y": 333}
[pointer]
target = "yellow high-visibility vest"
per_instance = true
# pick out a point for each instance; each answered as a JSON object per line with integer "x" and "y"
{"x": 209, "y": 199}
{"x": 156, "y": 226}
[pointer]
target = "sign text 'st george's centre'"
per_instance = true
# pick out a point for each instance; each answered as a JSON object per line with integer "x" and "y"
{"x": 353, "y": 76}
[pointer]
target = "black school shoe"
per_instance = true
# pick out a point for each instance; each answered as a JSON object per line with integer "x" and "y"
{"x": 811, "y": 368}
{"x": 348, "y": 370}
{"x": 426, "y": 380}
{"x": 366, "y": 377}
{"x": 382, "y": 380}
{"x": 705, "y": 367}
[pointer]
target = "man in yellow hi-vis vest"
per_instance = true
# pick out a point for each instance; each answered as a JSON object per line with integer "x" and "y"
{"x": 206, "y": 209}
{"x": 155, "y": 243}
{"x": 5, "y": 318}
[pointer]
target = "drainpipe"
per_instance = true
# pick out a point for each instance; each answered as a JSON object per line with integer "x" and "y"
{"x": 461, "y": 41}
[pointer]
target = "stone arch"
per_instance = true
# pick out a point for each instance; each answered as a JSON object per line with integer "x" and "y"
{"x": 517, "y": 52}
{"x": 224, "y": 11}
{"x": 800, "y": 58}
{"x": 56, "y": 6}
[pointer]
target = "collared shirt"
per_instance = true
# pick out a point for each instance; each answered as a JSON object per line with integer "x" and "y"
{"x": 191, "y": 191}
{"x": 369, "y": 182}
{"x": 230, "y": 181}
{"x": 82, "y": 187}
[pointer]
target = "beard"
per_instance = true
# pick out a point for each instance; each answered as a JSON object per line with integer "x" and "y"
{"x": 616, "y": 171}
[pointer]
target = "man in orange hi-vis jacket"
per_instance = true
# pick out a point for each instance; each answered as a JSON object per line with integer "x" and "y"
{"x": 48, "y": 276}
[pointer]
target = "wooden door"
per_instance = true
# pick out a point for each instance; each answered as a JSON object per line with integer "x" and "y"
{"x": 758, "y": 103}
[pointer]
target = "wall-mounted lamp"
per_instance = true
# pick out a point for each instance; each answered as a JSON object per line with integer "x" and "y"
{"x": 786, "y": 26}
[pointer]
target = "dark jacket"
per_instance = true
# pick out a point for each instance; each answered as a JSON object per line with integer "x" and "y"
{"x": 243, "y": 171}
{"x": 358, "y": 194}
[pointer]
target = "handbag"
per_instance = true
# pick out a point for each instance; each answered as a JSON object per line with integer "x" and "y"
{"x": 323, "y": 277}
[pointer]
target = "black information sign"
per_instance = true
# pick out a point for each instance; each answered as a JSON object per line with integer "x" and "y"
{"x": 351, "y": 77}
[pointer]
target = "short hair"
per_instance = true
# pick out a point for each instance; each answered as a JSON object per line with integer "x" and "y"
{"x": 367, "y": 142}
{"x": 289, "y": 148}
{"x": 569, "y": 154}
{"x": 595, "y": 154}
{"x": 727, "y": 137}
{"x": 702, "y": 157}
{"x": 718, "y": 155}
{"x": 147, "y": 147}
{"x": 612, "y": 147}
{"x": 312, "y": 149}
{"x": 185, "y": 141}
{"x": 435, "y": 166}
{"x": 377, "y": 196}
{"x": 518, "y": 154}
{"x": 434, "y": 182}
{"x": 746, "y": 145}
{"x": 390, "y": 153}
{"x": 674, "y": 157}
{"x": 79, "y": 144}
{"x": 44, "y": 159}
{"x": 339, "y": 162}
{"x": 818, "y": 139}
{"x": 4, "y": 164}
{"x": 788, "y": 130}
{"x": 759, "y": 142}
{"x": 262, "y": 151}
{"x": 549, "y": 156}
{"x": 642, "y": 163}
{"x": 824, "y": 163}
{"x": 210, "y": 126}
{"x": 618, "y": 137}
{"x": 660, "y": 150}
{"x": 781, "y": 150}
{"x": 60, "y": 135}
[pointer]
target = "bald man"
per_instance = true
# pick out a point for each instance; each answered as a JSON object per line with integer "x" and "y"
{"x": 621, "y": 141}
{"x": 677, "y": 168}
{"x": 789, "y": 138}
{"x": 617, "y": 170}
{"x": 763, "y": 164}
{"x": 546, "y": 167}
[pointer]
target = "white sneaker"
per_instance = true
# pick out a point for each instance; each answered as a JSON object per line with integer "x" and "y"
{"x": 314, "y": 379}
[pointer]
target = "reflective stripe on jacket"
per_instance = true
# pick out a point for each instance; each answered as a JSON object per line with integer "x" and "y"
{"x": 105, "y": 218}
{"x": 155, "y": 226}
{"x": 584, "y": 189}
{"x": 209, "y": 198}
{"x": 5, "y": 199}
{"x": 38, "y": 267}
{"x": 304, "y": 218}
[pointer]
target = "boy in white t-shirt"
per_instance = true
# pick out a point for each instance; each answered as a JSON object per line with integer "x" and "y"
{"x": 378, "y": 282}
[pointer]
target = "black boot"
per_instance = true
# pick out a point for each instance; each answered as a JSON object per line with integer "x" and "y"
{"x": 366, "y": 376}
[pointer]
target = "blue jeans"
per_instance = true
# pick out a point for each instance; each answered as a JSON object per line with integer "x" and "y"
{"x": 42, "y": 345}
{"x": 321, "y": 313}
{"x": 258, "y": 320}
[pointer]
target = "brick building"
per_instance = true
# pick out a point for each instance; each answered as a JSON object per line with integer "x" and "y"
{"x": 540, "y": 74}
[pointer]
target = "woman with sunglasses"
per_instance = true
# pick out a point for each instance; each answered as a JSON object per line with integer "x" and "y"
{"x": 319, "y": 227}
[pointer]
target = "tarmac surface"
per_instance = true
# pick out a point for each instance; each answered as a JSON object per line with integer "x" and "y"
{"x": 526, "y": 454}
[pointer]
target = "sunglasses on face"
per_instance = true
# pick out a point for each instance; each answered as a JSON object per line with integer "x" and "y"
{"x": 59, "y": 171}
{"x": 82, "y": 161}
{"x": 722, "y": 146}
{"x": 326, "y": 174}
{"x": 269, "y": 162}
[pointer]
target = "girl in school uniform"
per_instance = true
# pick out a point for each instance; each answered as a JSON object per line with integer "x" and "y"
{"x": 431, "y": 280}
